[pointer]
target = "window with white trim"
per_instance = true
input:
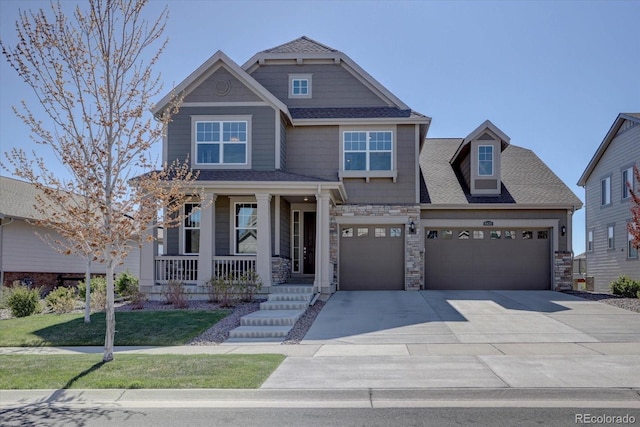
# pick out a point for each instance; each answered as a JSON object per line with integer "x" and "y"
{"x": 485, "y": 160}
{"x": 605, "y": 191}
{"x": 627, "y": 183}
{"x": 368, "y": 150}
{"x": 632, "y": 251}
{"x": 191, "y": 228}
{"x": 300, "y": 85}
{"x": 590, "y": 240}
{"x": 245, "y": 228}
{"x": 221, "y": 142}
{"x": 610, "y": 237}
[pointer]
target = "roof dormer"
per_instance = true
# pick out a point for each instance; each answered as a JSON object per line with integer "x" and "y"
{"x": 479, "y": 159}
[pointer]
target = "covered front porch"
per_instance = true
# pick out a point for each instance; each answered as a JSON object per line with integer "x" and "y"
{"x": 281, "y": 233}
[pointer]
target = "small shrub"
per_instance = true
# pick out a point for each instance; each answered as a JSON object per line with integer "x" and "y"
{"x": 175, "y": 294}
{"x": 138, "y": 300}
{"x": 98, "y": 293}
{"x": 126, "y": 284}
{"x": 23, "y": 301}
{"x": 231, "y": 289}
{"x": 625, "y": 287}
{"x": 61, "y": 300}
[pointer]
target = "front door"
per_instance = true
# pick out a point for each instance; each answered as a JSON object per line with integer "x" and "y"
{"x": 309, "y": 243}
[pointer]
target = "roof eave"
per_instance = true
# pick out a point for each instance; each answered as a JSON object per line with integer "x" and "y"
{"x": 371, "y": 120}
{"x": 500, "y": 206}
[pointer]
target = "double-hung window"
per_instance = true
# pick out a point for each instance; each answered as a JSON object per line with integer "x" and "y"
{"x": 221, "y": 142}
{"x": 590, "y": 240}
{"x": 246, "y": 228}
{"x": 627, "y": 183}
{"x": 368, "y": 151}
{"x": 485, "y": 160}
{"x": 610, "y": 237}
{"x": 191, "y": 228}
{"x": 605, "y": 191}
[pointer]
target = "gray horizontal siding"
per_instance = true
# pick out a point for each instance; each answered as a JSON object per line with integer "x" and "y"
{"x": 332, "y": 85}
{"x": 262, "y": 133}
{"x": 313, "y": 151}
{"x": 221, "y": 86}
{"x": 603, "y": 264}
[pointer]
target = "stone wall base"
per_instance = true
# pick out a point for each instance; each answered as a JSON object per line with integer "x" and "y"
{"x": 562, "y": 271}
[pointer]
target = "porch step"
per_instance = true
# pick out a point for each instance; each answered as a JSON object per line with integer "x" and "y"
{"x": 271, "y": 318}
{"x": 284, "y": 306}
{"x": 273, "y": 333}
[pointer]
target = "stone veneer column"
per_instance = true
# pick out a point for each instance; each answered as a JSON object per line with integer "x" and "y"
{"x": 263, "y": 251}
{"x": 207, "y": 238}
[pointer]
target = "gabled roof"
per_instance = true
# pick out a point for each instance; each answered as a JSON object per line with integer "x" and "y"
{"x": 476, "y": 133}
{"x": 18, "y": 199}
{"x": 220, "y": 59}
{"x": 526, "y": 180}
{"x": 349, "y": 113}
{"x": 634, "y": 117}
{"x": 304, "y": 48}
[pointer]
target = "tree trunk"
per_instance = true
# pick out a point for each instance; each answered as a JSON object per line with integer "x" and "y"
{"x": 87, "y": 299}
{"x": 110, "y": 314}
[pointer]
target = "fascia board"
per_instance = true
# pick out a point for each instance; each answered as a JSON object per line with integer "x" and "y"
{"x": 293, "y": 188}
{"x": 615, "y": 127}
{"x": 500, "y": 206}
{"x": 370, "y": 121}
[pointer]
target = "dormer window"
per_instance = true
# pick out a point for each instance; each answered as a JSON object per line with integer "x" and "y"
{"x": 299, "y": 85}
{"x": 485, "y": 160}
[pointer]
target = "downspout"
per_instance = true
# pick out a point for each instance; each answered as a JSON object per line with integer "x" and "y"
{"x": 2, "y": 225}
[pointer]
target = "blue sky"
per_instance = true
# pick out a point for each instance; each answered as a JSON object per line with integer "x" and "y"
{"x": 553, "y": 75}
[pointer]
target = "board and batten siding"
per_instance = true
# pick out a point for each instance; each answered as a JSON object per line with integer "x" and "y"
{"x": 24, "y": 251}
{"x": 179, "y": 134}
{"x": 604, "y": 264}
{"x": 332, "y": 85}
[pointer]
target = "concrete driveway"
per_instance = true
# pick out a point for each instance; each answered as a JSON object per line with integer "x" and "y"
{"x": 447, "y": 317}
{"x": 468, "y": 339}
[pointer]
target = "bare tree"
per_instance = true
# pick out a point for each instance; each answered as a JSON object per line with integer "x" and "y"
{"x": 634, "y": 224}
{"x": 92, "y": 73}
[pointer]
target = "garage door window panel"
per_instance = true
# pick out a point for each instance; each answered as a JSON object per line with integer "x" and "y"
{"x": 527, "y": 235}
{"x": 463, "y": 235}
{"x": 363, "y": 232}
{"x": 510, "y": 235}
{"x": 395, "y": 232}
{"x": 496, "y": 234}
{"x": 478, "y": 234}
{"x": 347, "y": 232}
{"x": 432, "y": 234}
{"x": 380, "y": 232}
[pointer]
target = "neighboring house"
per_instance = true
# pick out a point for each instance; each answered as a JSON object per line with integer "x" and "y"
{"x": 24, "y": 255}
{"x": 608, "y": 203}
{"x": 314, "y": 170}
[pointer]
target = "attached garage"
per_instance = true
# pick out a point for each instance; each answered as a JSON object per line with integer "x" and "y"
{"x": 517, "y": 259}
{"x": 371, "y": 257}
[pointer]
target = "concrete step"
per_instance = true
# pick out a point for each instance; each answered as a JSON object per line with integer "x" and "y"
{"x": 259, "y": 332}
{"x": 291, "y": 289}
{"x": 285, "y": 305}
{"x": 271, "y": 318}
{"x": 291, "y": 297}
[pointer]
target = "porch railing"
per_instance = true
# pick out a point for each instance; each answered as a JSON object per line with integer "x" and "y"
{"x": 180, "y": 268}
{"x": 225, "y": 266}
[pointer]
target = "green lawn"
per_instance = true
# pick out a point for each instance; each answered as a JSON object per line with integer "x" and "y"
{"x": 136, "y": 371}
{"x": 153, "y": 328}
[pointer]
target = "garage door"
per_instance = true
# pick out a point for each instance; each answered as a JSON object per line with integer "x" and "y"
{"x": 488, "y": 259}
{"x": 371, "y": 257}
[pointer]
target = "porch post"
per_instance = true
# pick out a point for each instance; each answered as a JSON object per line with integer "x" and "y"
{"x": 148, "y": 252}
{"x": 263, "y": 251}
{"x": 207, "y": 238}
{"x": 323, "y": 266}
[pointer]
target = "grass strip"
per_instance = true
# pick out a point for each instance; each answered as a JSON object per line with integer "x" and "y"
{"x": 132, "y": 371}
{"x": 153, "y": 328}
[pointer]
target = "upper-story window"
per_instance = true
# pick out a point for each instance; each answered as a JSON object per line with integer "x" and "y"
{"x": 300, "y": 85}
{"x": 368, "y": 151}
{"x": 590, "y": 240}
{"x": 627, "y": 183}
{"x": 605, "y": 191}
{"x": 485, "y": 160}
{"x": 221, "y": 142}
{"x": 191, "y": 228}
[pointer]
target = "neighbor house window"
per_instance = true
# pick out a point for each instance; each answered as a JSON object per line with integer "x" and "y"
{"x": 632, "y": 251}
{"x": 605, "y": 191}
{"x": 590, "y": 241}
{"x": 191, "y": 227}
{"x": 368, "y": 150}
{"x": 221, "y": 142}
{"x": 610, "y": 236}
{"x": 627, "y": 183}
{"x": 246, "y": 228}
{"x": 300, "y": 86}
{"x": 485, "y": 160}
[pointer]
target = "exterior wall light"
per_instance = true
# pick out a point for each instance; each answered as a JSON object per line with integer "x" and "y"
{"x": 412, "y": 228}
{"x": 563, "y": 230}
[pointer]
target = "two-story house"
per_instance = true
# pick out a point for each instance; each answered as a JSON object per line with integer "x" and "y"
{"x": 313, "y": 169}
{"x": 607, "y": 181}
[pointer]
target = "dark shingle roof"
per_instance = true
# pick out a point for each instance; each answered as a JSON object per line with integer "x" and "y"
{"x": 252, "y": 175}
{"x": 348, "y": 113}
{"x": 301, "y": 45}
{"x": 525, "y": 178}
